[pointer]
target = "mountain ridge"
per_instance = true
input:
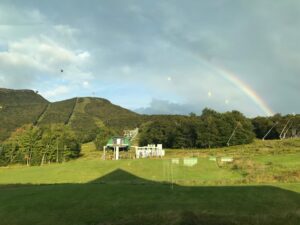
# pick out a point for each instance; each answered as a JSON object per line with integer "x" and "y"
{"x": 84, "y": 114}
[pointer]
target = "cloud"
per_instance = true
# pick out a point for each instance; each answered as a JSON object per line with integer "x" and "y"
{"x": 57, "y": 91}
{"x": 158, "y": 106}
{"x": 35, "y": 50}
{"x": 66, "y": 30}
{"x": 32, "y": 59}
{"x": 126, "y": 69}
{"x": 40, "y": 53}
{"x": 142, "y": 44}
{"x": 12, "y": 15}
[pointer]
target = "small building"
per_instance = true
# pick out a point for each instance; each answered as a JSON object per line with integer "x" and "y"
{"x": 117, "y": 144}
{"x": 122, "y": 142}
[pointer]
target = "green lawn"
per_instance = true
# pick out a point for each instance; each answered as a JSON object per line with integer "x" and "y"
{"x": 86, "y": 170}
{"x": 261, "y": 188}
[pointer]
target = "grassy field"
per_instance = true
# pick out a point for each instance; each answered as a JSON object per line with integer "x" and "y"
{"x": 261, "y": 186}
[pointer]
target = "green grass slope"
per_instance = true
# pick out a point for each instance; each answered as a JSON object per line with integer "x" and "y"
{"x": 84, "y": 125}
{"x": 112, "y": 115}
{"x": 58, "y": 112}
{"x": 253, "y": 164}
{"x": 152, "y": 203}
{"x": 90, "y": 114}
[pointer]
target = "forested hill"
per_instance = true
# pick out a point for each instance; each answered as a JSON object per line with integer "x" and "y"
{"x": 19, "y": 107}
{"x": 83, "y": 115}
{"x": 89, "y": 118}
{"x": 10, "y": 97}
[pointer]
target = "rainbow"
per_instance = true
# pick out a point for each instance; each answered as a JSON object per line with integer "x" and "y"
{"x": 245, "y": 88}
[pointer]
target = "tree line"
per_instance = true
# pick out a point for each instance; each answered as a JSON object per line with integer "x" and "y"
{"x": 277, "y": 126}
{"x": 32, "y": 145}
{"x": 211, "y": 129}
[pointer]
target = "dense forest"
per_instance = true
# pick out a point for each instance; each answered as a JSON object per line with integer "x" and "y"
{"x": 211, "y": 129}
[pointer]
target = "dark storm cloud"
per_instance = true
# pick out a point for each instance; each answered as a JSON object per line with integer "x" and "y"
{"x": 145, "y": 42}
{"x": 158, "y": 106}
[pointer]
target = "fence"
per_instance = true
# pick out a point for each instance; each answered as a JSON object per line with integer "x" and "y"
{"x": 149, "y": 151}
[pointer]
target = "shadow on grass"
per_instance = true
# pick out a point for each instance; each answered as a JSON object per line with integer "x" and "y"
{"x": 123, "y": 198}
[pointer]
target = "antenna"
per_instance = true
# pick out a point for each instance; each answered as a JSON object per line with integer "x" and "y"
{"x": 270, "y": 130}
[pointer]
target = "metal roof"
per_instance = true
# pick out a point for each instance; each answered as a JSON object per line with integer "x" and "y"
{"x": 113, "y": 141}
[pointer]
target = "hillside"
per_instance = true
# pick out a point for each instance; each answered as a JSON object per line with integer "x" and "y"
{"x": 84, "y": 115}
{"x": 18, "y": 108}
{"x": 10, "y": 97}
{"x": 58, "y": 112}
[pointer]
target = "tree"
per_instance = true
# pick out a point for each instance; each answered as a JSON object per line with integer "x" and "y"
{"x": 103, "y": 136}
{"x": 156, "y": 133}
{"x": 262, "y": 125}
{"x": 211, "y": 129}
{"x": 216, "y": 129}
{"x": 28, "y": 140}
{"x": 33, "y": 145}
{"x": 60, "y": 143}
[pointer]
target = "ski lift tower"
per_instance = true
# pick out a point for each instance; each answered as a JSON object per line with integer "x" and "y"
{"x": 116, "y": 144}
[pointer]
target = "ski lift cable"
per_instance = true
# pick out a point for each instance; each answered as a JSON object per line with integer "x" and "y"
{"x": 280, "y": 136}
{"x": 233, "y": 133}
{"x": 289, "y": 127}
{"x": 270, "y": 130}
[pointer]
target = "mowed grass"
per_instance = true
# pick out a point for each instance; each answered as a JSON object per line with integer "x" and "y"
{"x": 86, "y": 170}
{"x": 90, "y": 191}
{"x": 80, "y": 204}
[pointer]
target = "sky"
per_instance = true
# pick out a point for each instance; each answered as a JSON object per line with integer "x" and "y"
{"x": 156, "y": 57}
